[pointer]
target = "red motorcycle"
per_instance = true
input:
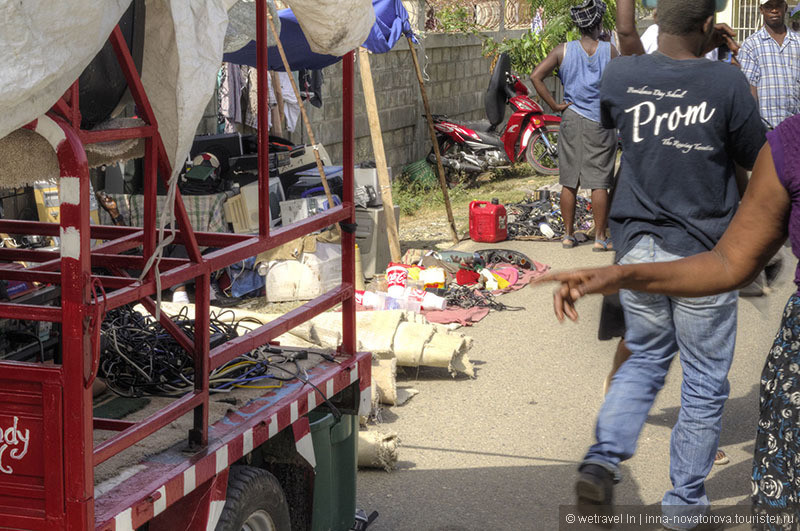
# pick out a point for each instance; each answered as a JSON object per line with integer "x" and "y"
{"x": 475, "y": 147}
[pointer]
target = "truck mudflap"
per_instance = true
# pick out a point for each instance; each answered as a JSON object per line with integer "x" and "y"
{"x": 164, "y": 479}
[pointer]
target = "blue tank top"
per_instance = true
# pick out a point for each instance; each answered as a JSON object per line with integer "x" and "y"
{"x": 580, "y": 74}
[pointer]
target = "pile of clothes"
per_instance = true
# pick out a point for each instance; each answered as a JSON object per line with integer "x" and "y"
{"x": 468, "y": 281}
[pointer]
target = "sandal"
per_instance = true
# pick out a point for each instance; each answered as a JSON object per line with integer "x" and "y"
{"x": 569, "y": 242}
{"x": 601, "y": 246}
{"x": 721, "y": 458}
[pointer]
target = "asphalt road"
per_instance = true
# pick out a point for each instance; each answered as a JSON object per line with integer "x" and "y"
{"x": 500, "y": 452}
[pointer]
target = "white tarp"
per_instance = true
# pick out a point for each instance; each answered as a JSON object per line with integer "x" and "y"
{"x": 45, "y": 45}
{"x": 334, "y": 27}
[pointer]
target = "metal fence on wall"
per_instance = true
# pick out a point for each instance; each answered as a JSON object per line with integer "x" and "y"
{"x": 746, "y": 18}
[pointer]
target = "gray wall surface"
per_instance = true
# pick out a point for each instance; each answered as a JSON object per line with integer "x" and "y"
{"x": 458, "y": 76}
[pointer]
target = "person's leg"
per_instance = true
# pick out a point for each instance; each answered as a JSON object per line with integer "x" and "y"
{"x": 568, "y": 198}
{"x": 706, "y": 334}
{"x": 600, "y": 214}
{"x": 776, "y": 459}
{"x": 620, "y": 356}
{"x": 570, "y": 153}
{"x": 597, "y": 174}
{"x": 651, "y": 340}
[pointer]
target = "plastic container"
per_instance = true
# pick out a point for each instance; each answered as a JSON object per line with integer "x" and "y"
{"x": 487, "y": 221}
{"x": 383, "y": 301}
{"x": 311, "y": 276}
{"x": 432, "y": 277}
{"x": 426, "y": 299}
{"x": 336, "y": 452}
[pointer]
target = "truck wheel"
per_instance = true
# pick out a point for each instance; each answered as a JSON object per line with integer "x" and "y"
{"x": 255, "y": 502}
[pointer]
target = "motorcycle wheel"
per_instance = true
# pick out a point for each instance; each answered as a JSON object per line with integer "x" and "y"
{"x": 537, "y": 155}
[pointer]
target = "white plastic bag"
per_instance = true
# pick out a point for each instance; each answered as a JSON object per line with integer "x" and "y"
{"x": 334, "y": 27}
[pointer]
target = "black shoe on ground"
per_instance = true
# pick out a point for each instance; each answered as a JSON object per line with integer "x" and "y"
{"x": 595, "y": 485}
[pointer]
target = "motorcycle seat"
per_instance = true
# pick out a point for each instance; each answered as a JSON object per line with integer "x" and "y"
{"x": 481, "y": 126}
{"x": 490, "y": 138}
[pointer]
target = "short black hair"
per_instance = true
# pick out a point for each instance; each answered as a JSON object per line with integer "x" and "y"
{"x": 681, "y": 17}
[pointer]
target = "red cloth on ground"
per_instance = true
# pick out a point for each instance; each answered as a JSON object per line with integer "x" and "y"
{"x": 466, "y": 277}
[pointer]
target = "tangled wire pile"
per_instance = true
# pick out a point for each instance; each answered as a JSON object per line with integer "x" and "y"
{"x": 469, "y": 297}
{"x": 541, "y": 219}
{"x": 139, "y": 357}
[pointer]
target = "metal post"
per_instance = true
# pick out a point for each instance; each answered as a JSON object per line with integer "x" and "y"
{"x": 348, "y": 238}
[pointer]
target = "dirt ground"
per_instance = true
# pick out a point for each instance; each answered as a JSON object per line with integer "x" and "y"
{"x": 501, "y": 451}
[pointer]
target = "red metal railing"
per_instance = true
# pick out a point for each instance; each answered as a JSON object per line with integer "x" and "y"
{"x": 73, "y": 272}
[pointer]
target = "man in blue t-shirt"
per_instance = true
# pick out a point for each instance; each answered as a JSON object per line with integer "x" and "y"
{"x": 685, "y": 122}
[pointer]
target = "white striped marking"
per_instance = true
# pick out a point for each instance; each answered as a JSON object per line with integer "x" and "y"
{"x": 214, "y": 512}
{"x": 354, "y": 374}
{"x": 70, "y": 243}
{"x": 69, "y": 191}
{"x": 247, "y": 442}
{"x": 329, "y": 388}
{"x": 222, "y": 459}
{"x": 312, "y": 400}
{"x": 293, "y": 415}
{"x": 188, "y": 480}
{"x": 46, "y": 127}
{"x": 160, "y": 505}
{"x": 273, "y": 426}
{"x": 305, "y": 447}
{"x": 124, "y": 520}
{"x": 365, "y": 402}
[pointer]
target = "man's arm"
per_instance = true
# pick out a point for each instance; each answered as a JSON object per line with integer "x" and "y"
{"x": 629, "y": 41}
{"x": 544, "y": 69}
{"x": 754, "y": 92}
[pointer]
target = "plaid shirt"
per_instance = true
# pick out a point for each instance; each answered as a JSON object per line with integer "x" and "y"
{"x": 775, "y": 71}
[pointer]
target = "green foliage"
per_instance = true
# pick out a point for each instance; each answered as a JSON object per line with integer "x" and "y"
{"x": 531, "y": 48}
{"x": 457, "y": 19}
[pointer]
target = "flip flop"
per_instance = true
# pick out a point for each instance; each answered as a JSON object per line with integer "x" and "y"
{"x": 569, "y": 242}
{"x": 721, "y": 458}
{"x": 604, "y": 245}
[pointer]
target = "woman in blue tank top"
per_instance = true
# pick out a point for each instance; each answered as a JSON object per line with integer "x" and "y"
{"x": 586, "y": 151}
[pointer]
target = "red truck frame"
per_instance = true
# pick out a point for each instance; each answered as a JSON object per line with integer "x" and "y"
{"x": 47, "y": 453}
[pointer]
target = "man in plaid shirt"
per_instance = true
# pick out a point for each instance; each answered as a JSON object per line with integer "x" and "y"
{"x": 770, "y": 59}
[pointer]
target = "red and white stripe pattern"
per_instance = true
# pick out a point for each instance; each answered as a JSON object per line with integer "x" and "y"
{"x": 244, "y": 430}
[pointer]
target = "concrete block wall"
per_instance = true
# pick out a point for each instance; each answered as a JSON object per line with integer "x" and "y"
{"x": 457, "y": 78}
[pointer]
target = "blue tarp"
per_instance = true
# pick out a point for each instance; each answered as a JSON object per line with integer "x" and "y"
{"x": 391, "y": 24}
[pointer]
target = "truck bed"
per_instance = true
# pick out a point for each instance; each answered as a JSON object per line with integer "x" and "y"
{"x": 138, "y": 484}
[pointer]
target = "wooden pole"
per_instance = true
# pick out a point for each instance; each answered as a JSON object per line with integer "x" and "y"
{"x": 306, "y": 121}
{"x": 380, "y": 154}
{"x": 432, "y": 132}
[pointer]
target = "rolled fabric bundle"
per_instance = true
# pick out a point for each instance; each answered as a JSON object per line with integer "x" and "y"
{"x": 378, "y": 449}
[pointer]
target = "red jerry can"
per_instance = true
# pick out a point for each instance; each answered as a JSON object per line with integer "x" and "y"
{"x": 487, "y": 221}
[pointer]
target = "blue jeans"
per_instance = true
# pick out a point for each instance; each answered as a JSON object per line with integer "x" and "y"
{"x": 703, "y": 330}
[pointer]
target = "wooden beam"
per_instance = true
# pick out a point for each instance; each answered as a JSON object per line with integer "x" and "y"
{"x": 432, "y": 132}
{"x": 380, "y": 154}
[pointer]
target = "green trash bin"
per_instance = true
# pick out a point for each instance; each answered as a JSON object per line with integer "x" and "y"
{"x": 336, "y": 452}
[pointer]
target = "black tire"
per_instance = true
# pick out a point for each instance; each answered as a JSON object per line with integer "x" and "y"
{"x": 254, "y": 498}
{"x": 537, "y": 154}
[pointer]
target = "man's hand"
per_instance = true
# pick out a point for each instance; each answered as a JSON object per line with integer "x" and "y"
{"x": 723, "y": 35}
{"x": 576, "y": 284}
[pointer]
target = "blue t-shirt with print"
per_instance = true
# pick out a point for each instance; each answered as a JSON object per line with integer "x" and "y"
{"x": 683, "y": 125}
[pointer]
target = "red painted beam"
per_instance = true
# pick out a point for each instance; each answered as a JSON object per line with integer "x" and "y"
{"x": 264, "y": 334}
{"x": 146, "y": 427}
{"x": 110, "y": 135}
